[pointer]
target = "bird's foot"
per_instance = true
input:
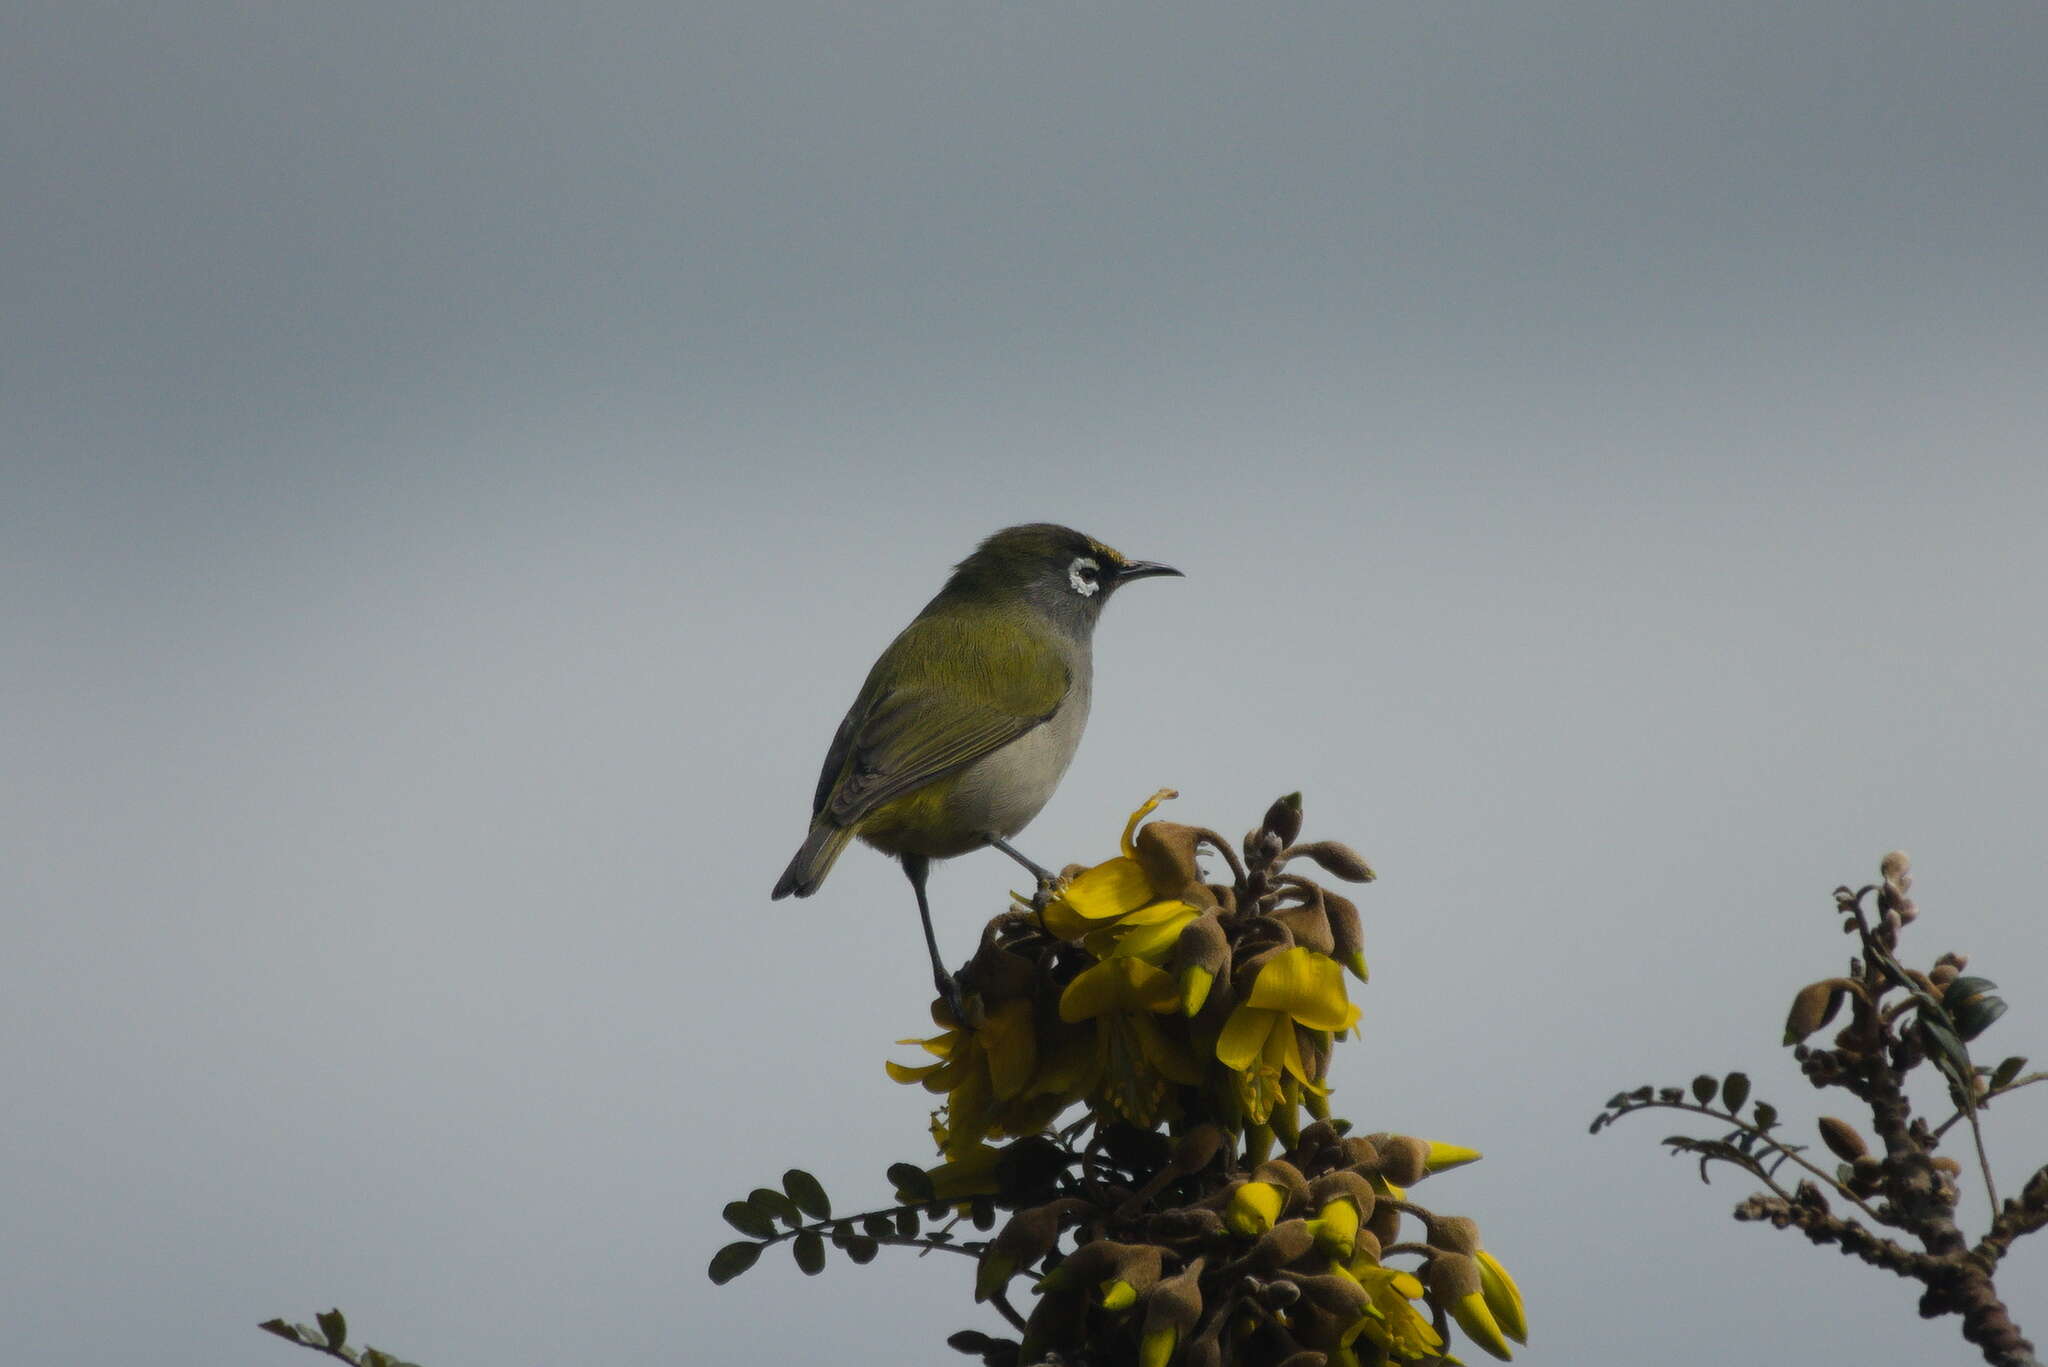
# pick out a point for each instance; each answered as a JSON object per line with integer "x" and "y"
{"x": 1050, "y": 885}
{"x": 964, "y": 1006}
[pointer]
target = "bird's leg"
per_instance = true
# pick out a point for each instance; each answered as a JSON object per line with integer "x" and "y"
{"x": 1048, "y": 881}
{"x": 917, "y": 866}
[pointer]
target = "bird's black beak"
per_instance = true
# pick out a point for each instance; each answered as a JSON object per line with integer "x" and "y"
{"x": 1145, "y": 569}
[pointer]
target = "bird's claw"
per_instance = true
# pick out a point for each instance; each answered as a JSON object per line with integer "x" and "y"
{"x": 965, "y": 1007}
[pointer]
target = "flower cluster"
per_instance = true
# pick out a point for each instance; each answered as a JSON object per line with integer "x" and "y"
{"x": 1161, "y": 1001}
{"x": 1141, "y": 990}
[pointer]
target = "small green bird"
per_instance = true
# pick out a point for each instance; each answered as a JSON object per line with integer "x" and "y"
{"x": 970, "y": 717}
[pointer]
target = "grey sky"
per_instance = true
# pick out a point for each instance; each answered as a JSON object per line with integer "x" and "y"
{"x": 461, "y": 459}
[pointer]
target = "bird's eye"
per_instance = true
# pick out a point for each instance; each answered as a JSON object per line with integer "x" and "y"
{"x": 1085, "y": 575}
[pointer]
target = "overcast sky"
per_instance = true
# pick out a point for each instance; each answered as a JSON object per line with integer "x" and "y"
{"x": 461, "y": 459}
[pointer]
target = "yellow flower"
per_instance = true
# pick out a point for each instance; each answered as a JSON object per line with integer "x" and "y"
{"x": 997, "y": 1080}
{"x": 1391, "y": 1322}
{"x": 1295, "y": 988}
{"x": 1502, "y": 1296}
{"x": 1100, "y": 898}
{"x": 1134, "y": 1058}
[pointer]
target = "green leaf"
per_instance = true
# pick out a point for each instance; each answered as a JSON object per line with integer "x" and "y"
{"x": 749, "y": 1219}
{"x": 2007, "y": 1071}
{"x": 877, "y": 1225}
{"x": 732, "y": 1260}
{"x": 906, "y": 1223}
{"x": 334, "y": 1325}
{"x": 1947, "y": 1049}
{"x": 773, "y": 1203}
{"x": 807, "y": 1193}
{"x": 1735, "y": 1091}
{"x": 373, "y": 1357}
{"x": 911, "y": 1181}
{"x": 283, "y": 1331}
{"x": 862, "y": 1249}
{"x": 810, "y": 1252}
{"x": 1766, "y": 1115}
{"x": 1703, "y": 1089}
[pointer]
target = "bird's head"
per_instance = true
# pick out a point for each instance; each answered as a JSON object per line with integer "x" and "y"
{"x": 1064, "y": 573}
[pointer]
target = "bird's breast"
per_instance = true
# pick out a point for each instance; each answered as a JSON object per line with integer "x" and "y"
{"x": 1001, "y": 792}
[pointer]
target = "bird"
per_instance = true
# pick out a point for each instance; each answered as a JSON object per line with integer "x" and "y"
{"x": 969, "y": 718}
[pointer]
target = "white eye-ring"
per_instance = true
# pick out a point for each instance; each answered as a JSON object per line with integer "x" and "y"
{"x": 1085, "y": 575}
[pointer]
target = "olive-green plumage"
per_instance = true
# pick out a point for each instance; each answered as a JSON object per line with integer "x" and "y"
{"x": 970, "y": 717}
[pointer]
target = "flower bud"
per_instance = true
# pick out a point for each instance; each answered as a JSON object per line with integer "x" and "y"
{"x": 1455, "y": 1284}
{"x": 1166, "y": 851}
{"x": 1813, "y": 1007}
{"x": 1283, "y": 818}
{"x": 1201, "y": 953}
{"x": 1443, "y": 1157}
{"x": 1362, "y": 1153}
{"x": 1172, "y": 1308}
{"x": 1383, "y": 1226}
{"x": 1336, "y": 857}
{"x": 1841, "y": 1137}
{"x": 1028, "y": 1236}
{"x": 1279, "y": 1246}
{"x": 1346, "y": 933}
{"x": 1309, "y": 926}
{"x": 1404, "y": 1159}
{"x": 1253, "y": 1208}
{"x": 1285, "y": 1175}
{"x": 1135, "y": 1274}
{"x": 1454, "y": 1234}
{"x": 1502, "y": 1296}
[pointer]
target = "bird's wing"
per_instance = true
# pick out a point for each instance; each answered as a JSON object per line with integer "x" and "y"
{"x": 956, "y": 694}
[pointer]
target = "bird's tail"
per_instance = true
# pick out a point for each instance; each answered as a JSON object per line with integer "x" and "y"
{"x": 805, "y": 872}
